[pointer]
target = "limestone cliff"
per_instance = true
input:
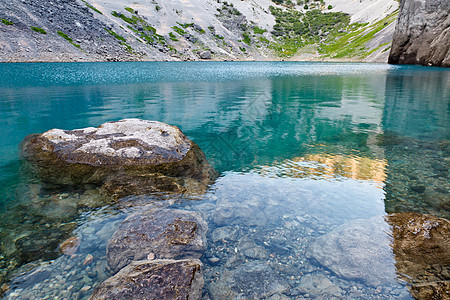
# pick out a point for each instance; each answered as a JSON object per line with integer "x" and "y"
{"x": 422, "y": 35}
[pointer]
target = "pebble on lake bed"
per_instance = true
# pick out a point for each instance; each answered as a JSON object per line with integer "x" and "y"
{"x": 85, "y": 288}
{"x": 70, "y": 246}
{"x": 88, "y": 260}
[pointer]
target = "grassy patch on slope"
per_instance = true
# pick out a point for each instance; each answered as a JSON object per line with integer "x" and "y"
{"x": 6, "y": 22}
{"x": 40, "y": 30}
{"x": 353, "y": 43}
{"x": 92, "y": 7}
{"x": 66, "y": 37}
{"x": 121, "y": 40}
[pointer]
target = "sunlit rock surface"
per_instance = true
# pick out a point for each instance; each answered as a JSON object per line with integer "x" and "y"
{"x": 165, "y": 233}
{"x": 154, "y": 279}
{"x": 157, "y": 155}
{"x": 422, "y": 252}
{"x": 358, "y": 250}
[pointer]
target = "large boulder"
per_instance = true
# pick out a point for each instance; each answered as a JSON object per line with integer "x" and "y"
{"x": 162, "y": 233}
{"x": 359, "y": 250}
{"x": 154, "y": 279}
{"x": 422, "y": 253}
{"x": 422, "y": 34}
{"x": 159, "y": 155}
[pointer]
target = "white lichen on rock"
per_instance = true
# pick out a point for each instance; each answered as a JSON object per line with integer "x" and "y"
{"x": 129, "y": 138}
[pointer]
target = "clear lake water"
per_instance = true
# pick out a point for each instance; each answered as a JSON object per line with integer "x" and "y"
{"x": 304, "y": 150}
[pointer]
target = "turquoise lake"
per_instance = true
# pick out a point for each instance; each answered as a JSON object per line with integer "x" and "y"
{"x": 304, "y": 150}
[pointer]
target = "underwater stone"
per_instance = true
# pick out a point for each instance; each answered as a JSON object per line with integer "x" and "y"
{"x": 42, "y": 244}
{"x": 88, "y": 260}
{"x": 249, "y": 248}
{"x": 431, "y": 290}
{"x": 318, "y": 284}
{"x": 359, "y": 249}
{"x": 155, "y": 279}
{"x": 168, "y": 233}
{"x": 226, "y": 233}
{"x": 422, "y": 251}
{"x": 418, "y": 189}
{"x": 251, "y": 280}
{"x": 125, "y": 149}
{"x": 70, "y": 246}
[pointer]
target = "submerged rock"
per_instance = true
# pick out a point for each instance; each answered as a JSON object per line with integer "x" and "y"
{"x": 319, "y": 285}
{"x": 252, "y": 280}
{"x": 155, "y": 279}
{"x": 432, "y": 290}
{"x": 422, "y": 252}
{"x": 42, "y": 244}
{"x": 166, "y": 233}
{"x": 160, "y": 155}
{"x": 226, "y": 233}
{"x": 70, "y": 246}
{"x": 359, "y": 249}
{"x": 248, "y": 247}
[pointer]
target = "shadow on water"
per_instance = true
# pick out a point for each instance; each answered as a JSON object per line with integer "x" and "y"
{"x": 312, "y": 157}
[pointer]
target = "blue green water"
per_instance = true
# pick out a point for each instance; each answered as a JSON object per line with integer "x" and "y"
{"x": 342, "y": 134}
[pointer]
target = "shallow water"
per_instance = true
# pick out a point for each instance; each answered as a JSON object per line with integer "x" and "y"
{"x": 304, "y": 149}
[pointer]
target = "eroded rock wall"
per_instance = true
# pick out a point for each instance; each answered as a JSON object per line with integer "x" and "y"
{"x": 422, "y": 35}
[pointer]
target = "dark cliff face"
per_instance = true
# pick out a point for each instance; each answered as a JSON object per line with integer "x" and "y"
{"x": 422, "y": 35}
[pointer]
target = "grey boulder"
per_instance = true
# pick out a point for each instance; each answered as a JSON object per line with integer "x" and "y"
{"x": 359, "y": 249}
{"x": 154, "y": 279}
{"x": 162, "y": 233}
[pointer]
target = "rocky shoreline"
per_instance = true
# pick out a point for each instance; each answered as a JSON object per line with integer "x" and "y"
{"x": 161, "y": 159}
{"x": 212, "y": 244}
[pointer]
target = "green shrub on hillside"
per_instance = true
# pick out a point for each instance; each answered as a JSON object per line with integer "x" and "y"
{"x": 186, "y": 25}
{"x": 173, "y": 37}
{"x": 294, "y": 29}
{"x": 66, "y": 37}
{"x": 37, "y": 29}
{"x": 316, "y": 20}
{"x": 132, "y": 20}
{"x": 258, "y": 30}
{"x": 6, "y": 22}
{"x": 178, "y": 30}
{"x": 246, "y": 39}
{"x": 91, "y": 7}
{"x": 121, "y": 40}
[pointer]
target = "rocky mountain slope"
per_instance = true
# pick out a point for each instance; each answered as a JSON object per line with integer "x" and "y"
{"x": 422, "y": 35}
{"x": 141, "y": 30}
